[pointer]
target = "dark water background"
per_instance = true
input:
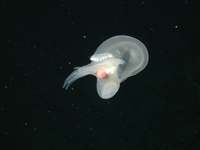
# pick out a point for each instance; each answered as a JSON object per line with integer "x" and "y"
{"x": 42, "y": 41}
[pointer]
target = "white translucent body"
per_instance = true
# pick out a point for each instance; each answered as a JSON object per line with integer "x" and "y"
{"x": 120, "y": 57}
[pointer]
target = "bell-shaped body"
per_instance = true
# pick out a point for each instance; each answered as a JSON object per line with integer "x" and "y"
{"x": 115, "y": 60}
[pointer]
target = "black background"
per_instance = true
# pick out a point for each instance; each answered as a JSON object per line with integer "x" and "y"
{"x": 42, "y": 41}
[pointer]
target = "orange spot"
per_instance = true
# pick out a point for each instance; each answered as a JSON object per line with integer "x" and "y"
{"x": 102, "y": 74}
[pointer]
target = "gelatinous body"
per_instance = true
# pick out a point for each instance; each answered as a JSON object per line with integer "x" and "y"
{"x": 114, "y": 61}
